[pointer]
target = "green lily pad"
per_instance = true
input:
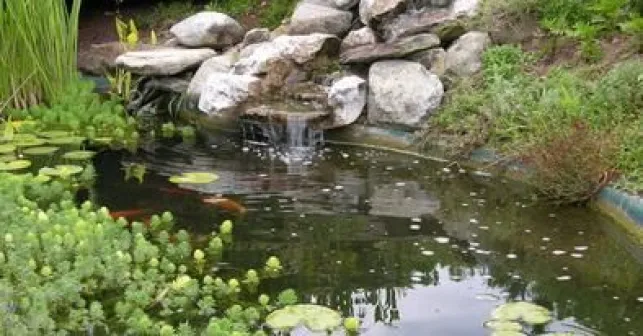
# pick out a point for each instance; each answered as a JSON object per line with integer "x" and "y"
{"x": 28, "y": 142}
{"x": 43, "y": 150}
{"x": 313, "y": 317}
{"x": 61, "y": 170}
{"x": 7, "y": 157}
{"x": 23, "y": 137}
{"x": 14, "y": 165}
{"x": 54, "y": 134}
{"x": 7, "y": 148}
{"x": 103, "y": 140}
{"x": 194, "y": 178}
{"x": 68, "y": 140}
{"x": 42, "y": 178}
{"x": 522, "y": 311}
{"x": 79, "y": 155}
{"x": 503, "y": 325}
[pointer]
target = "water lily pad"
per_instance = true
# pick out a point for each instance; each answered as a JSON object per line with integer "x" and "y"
{"x": 503, "y": 325}
{"x": 79, "y": 155}
{"x": 23, "y": 137}
{"x": 42, "y": 178}
{"x": 14, "y": 165}
{"x": 61, "y": 170}
{"x": 103, "y": 140}
{"x": 54, "y": 134}
{"x": 7, "y": 148}
{"x": 524, "y": 311}
{"x": 43, "y": 150}
{"x": 507, "y": 333}
{"x": 313, "y": 317}
{"x": 28, "y": 142}
{"x": 194, "y": 177}
{"x": 7, "y": 158}
{"x": 68, "y": 140}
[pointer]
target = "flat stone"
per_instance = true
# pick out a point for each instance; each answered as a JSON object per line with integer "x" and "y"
{"x": 337, "y": 4}
{"x": 359, "y": 37}
{"x": 373, "y": 12}
{"x": 208, "y": 29}
{"x": 390, "y": 50}
{"x": 163, "y": 62}
{"x": 283, "y": 111}
{"x": 311, "y": 18}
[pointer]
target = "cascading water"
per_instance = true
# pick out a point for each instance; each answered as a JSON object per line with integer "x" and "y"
{"x": 294, "y": 141}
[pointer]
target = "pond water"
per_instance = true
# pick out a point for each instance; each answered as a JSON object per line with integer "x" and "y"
{"x": 411, "y": 247}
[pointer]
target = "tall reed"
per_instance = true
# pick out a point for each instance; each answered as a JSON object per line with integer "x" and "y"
{"x": 38, "y": 47}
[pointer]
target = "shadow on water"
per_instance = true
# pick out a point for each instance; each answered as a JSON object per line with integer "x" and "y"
{"x": 410, "y": 247}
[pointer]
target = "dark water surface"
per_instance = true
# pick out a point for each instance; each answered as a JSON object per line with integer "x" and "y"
{"x": 410, "y": 246}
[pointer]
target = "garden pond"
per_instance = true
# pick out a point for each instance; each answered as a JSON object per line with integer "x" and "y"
{"x": 409, "y": 246}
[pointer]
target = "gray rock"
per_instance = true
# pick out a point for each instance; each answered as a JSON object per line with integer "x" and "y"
{"x": 163, "y": 62}
{"x": 347, "y": 97}
{"x": 337, "y": 4}
{"x": 433, "y": 60}
{"x": 311, "y": 18}
{"x": 373, "y": 12}
{"x": 217, "y": 64}
{"x": 224, "y": 92}
{"x": 299, "y": 49}
{"x": 359, "y": 37}
{"x": 283, "y": 111}
{"x": 390, "y": 50}
{"x": 402, "y": 93}
{"x": 256, "y": 35}
{"x": 464, "y": 57}
{"x": 208, "y": 29}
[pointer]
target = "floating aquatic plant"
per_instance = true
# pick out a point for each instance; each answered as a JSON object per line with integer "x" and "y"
{"x": 135, "y": 170}
{"x": 28, "y": 142}
{"x": 14, "y": 165}
{"x": 7, "y": 157}
{"x": 194, "y": 178}
{"x": 42, "y": 150}
{"x": 68, "y": 140}
{"x": 79, "y": 155}
{"x": 63, "y": 171}
{"x": 54, "y": 134}
{"x": 313, "y": 317}
{"x": 505, "y": 318}
{"x": 7, "y": 148}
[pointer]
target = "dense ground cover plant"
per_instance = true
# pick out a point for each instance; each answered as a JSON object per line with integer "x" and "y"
{"x": 38, "y": 49}
{"x": 75, "y": 269}
{"x": 547, "y": 121}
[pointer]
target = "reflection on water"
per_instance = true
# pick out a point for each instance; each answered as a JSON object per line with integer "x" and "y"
{"x": 408, "y": 246}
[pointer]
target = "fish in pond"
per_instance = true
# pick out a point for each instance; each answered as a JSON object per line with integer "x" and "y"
{"x": 128, "y": 214}
{"x": 226, "y": 204}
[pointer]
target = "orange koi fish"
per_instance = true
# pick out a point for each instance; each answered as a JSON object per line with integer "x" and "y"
{"x": 225, "y": 204}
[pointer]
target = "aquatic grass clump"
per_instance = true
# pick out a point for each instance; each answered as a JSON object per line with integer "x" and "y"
{"x": 38, "y": 49}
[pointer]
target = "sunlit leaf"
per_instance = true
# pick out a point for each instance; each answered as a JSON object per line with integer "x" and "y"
{"x": 7, "y": 148}
{"x": 68, "y": 140}
{"x": 43, "y": 150}
{"x": 14, "y": 165}
{"x": 194, "y": 178}
{"x": 313, "y": 317}
{"x": 63, "y": 171}
{"x": 522, "y": 311}
{"x": 79, "y": 155}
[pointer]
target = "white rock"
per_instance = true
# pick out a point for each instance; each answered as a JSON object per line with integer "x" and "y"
{"x": 224, "y": 91}
{"x": 347, "y": 97}
{"x": 163, "y": 62}
{"x": 464, "y": 57}
{"x": 359, "y": 37}
{"x": 208, "y": 29}
{"x": 402, "y": 92}
{"x": 256, "y": 35}
{"x": 372, "y": 11}
{"x": 217, "y": 64}
{"x": 310, "y": 18}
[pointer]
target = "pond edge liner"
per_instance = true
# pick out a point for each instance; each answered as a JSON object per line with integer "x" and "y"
{"x": 625, "y": 208}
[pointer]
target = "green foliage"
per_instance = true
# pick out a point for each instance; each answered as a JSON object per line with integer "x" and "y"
{"x": 584, "y": 20}
{"x": 524, "y": 116}
{"x": 69, "y": 270}
{"x": 270, "y": 15}
{"x": 234, "y": 8}
{"x": 276, "y": 11}
{"x": 38, "y": 50}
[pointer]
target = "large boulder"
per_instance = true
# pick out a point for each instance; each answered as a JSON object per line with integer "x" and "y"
{"x": 464, "y": 57}
{"x": 217, "y": 64}
{"x": 225, "y": 92}
{"x": 402, "y": 93}
{"x": 300, "y": 49}
{"x": 208, "y": 29}
{"x": 373, "y": 12}
{"x": 448, "y": 22}
{"x": 347, "y": 97}
{"x": 337, "y": 4}
{"x": 359, "y": 37}
{"x": 163, "y": 62}
{"x": 310, "y": 18}
{"x": 390, "y": 50}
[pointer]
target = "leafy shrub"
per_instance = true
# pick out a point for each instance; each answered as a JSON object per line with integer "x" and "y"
{"x": 166, "y": 13}
{"x": 68, "y": 269}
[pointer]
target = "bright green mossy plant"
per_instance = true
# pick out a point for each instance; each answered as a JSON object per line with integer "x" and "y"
{"x": 69, "y": 269}
{"x": 38, "y": 50}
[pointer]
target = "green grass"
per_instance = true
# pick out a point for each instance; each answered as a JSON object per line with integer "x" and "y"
{"x": 38, "y": 48}
{"x": 269, "y": 16}
{"x": 166, "y": 13}
{"x": 546, "y": 121}
{"x": 234, "y": 8}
